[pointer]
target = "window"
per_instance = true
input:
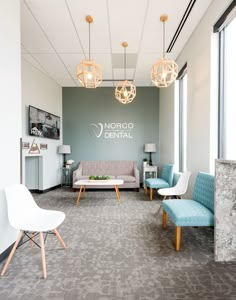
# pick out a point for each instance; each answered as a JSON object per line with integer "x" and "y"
{"x": 181, "y": 109}
{"x": 226, "y": 26}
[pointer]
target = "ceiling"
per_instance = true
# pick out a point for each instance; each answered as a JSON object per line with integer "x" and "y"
{"x": 55, "y": 35}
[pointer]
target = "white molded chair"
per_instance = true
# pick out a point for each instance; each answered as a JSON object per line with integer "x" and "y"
{"x": 178, "y": 190}
{"x": 24, "y": 214}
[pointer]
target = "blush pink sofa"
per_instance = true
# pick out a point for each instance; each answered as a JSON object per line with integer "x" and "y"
{"x": 116, "y": 169}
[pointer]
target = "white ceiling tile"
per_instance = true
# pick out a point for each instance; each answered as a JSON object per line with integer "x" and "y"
{"x": 99, "y": 29}
{"x": 23, "y": 50}
{"x": 126, "y": 23}
{"x": 144, "y": 65}
{"x": 30, "y": 59}
{"x": 71, "y": 61}
{"x": 66, "y": 82}
{"x": 172, "y": 55}
{"x": 104, "y": 60}
{"x": 53, "y": 65}
{"x": 119, "y": 74}
{"x": 118, "y": 60}
{"x": 153, "y": 31}
{"x": 32, "y": 37}
{"x": 56, "y": 23}
{"x": 142, "y": 82}
{"x": 107, "y": 84}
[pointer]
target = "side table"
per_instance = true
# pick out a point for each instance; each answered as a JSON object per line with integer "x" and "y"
{"x": 152, "y": 170}
{"x": 66, "y": 177}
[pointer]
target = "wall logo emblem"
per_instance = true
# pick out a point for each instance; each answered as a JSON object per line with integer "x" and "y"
{"x": 112, "y": 130}
{"x": 97, "y": 129}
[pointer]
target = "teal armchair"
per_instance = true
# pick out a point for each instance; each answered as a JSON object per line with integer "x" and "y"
{"x": 198, "y": 211}
{"x": 165, "y": 181}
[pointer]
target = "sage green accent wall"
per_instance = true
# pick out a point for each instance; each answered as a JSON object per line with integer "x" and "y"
{"x": 98, "y": 127}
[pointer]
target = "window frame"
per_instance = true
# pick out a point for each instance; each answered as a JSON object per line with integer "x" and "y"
{"x": 220, "y": 27}
{"x": 182, "y": 142}
{"x": 221, "y": 105}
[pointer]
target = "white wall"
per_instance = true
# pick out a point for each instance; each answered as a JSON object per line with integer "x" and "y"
{"x": 197, "y": 54}
{"x": 10, "y": 112}
{"x": 42, "y": 92}
{"x": 166, "y": 124}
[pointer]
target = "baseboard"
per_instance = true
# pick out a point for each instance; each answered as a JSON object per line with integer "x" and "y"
{"x": 47, "y": 190}
{"x": 6, "y": 253}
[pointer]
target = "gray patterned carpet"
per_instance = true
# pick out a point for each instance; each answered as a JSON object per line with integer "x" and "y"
{"x": 117, "y": 253}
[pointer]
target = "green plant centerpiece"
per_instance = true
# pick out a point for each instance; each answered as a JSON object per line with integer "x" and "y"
{"x": 99, "y": 177}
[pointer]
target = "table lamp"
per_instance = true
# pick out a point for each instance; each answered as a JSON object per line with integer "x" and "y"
{"x": 64, "y": 149}
{"x": 150, "y": 148}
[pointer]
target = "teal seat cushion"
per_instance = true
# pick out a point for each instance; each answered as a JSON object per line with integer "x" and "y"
{"x": 156, "y": 183}
{"x": 186, "y": 212}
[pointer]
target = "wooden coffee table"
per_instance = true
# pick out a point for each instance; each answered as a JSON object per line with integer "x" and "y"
{"x": 86, "y": 182}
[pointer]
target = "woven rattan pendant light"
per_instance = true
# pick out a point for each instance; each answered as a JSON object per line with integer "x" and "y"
{"x": 89, "y": 73}
{"x": 165, "y": 71}
{"x": 125, "y": 91}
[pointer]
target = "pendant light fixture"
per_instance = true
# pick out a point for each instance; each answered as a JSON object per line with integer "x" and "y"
{"x": 165, "y": 71}
{"x": 125, "y": 91}
{"x": 89, "y": 73}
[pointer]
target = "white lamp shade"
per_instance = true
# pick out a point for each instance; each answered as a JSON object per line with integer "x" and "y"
{"x": 64, "y": 149}
{"x": 150, "y": 148}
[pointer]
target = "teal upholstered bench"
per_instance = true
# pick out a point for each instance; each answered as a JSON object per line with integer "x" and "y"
{"x": 165, "y": 181}
{"x": 198, "y": 211}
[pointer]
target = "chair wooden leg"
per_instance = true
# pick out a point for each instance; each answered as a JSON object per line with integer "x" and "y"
{"x": 159, "y": 209}
{"x": 32, "y": 240}
{"x": 145, "y": 190}
{"x": 12, "y": 253}
{"x": 43, "y": 255}
{"x": 164, "y": 220}
{"x": 177, "y": 237}
{"x": 59, "y": 238}
{"x": 151, "y": 193}
{"x": 79, "y": 194}
{"x": 117, "y": 193}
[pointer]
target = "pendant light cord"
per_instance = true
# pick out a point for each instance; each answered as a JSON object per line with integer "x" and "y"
{"x": 163, "y": 39}
{"x": 89, "y": 41}
{"x": 125, "y": 62}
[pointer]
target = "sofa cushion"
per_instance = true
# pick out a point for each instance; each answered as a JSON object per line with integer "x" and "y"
{"x": 186, "y": 212}
{"x": 126, "y": 178}
{"x": 108, "y": 167}
{"x": 156, "y": 183}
